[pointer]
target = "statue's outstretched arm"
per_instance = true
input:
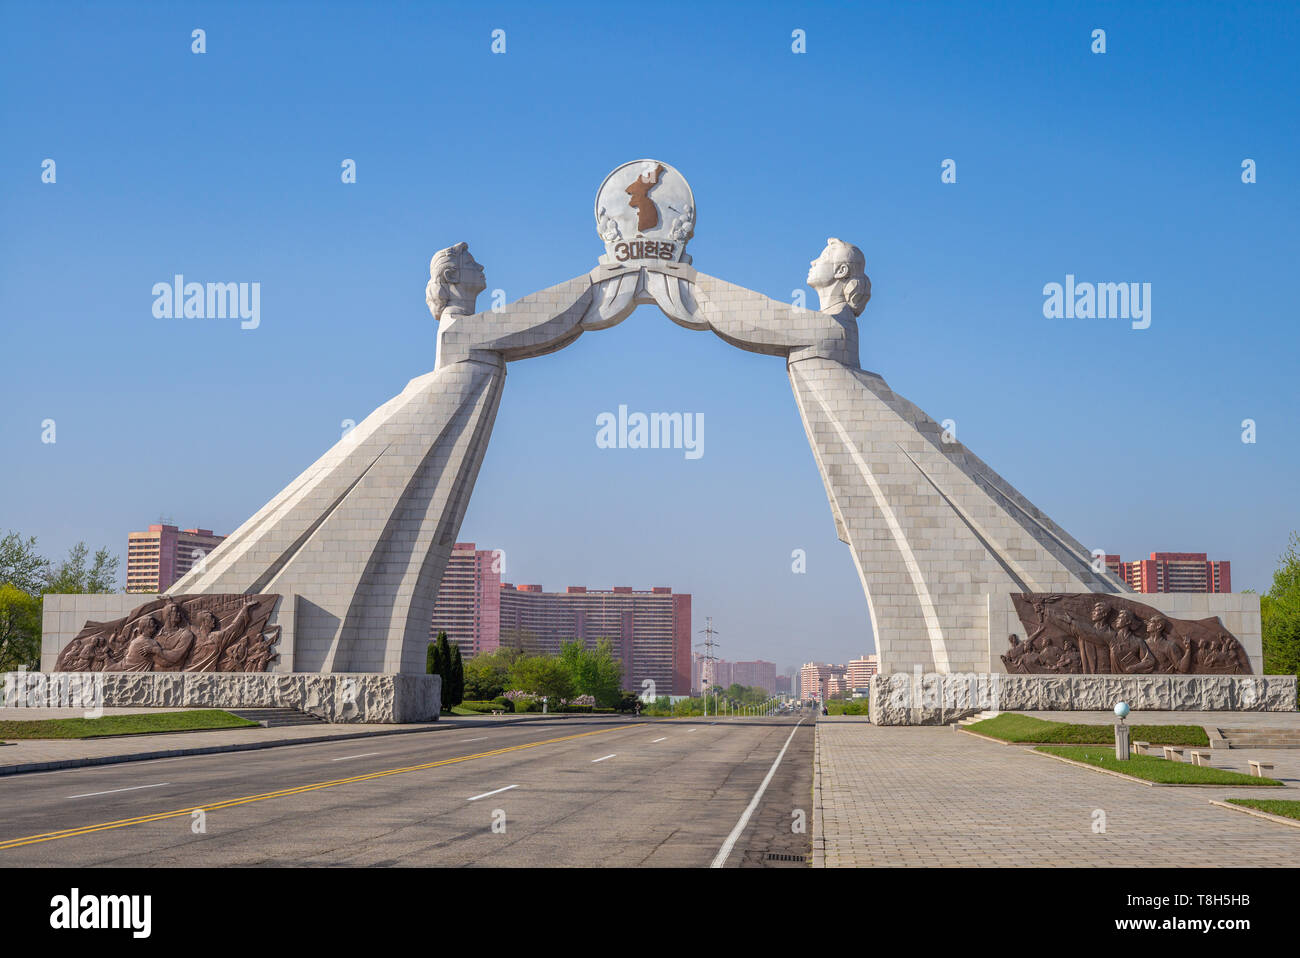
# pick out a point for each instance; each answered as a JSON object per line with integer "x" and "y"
{"x": 537, "y": 324}
{"x": 761, "y": 324}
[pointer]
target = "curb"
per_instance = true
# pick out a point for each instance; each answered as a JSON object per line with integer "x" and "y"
{"x": 818, "y": 835}
{"x": 245, "y": 746}
{"x": 987, "y": 738}
{"x": 1280, "y": 819}
{"x": 1002, "y": 741}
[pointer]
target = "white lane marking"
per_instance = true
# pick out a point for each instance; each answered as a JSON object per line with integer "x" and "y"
{"x": 664, "y": 739}
{"x": 494, "y": 791}
{"x": 690, "y": 730}
{"x": 721, "y": 858}
{"x": 113, "y": 791}
{"x": 344, "y": 758}
{"x": 479, "y": 739}
{"x": 603, "y": 757}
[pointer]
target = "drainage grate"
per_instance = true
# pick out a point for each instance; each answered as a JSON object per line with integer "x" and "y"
{"x": 784, "y": 857}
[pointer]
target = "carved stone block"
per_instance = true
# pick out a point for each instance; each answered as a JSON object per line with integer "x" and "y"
{"x": 178, "y": 634}
{"x": 1101, "y": 634}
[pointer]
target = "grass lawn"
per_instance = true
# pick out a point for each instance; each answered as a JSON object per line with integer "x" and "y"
{"x": 1284, "y": 807}
{"x": 854, "y": 707}
{"x": 1024, "y": 729}
{"x": 141, "y": 724}
{"x": 1155, "y": 769}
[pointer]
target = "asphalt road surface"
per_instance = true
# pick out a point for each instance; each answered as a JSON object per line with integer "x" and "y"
{"x": 574, "y": 791}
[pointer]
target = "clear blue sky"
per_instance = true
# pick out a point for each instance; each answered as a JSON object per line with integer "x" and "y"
{"x": 225, "y": 166}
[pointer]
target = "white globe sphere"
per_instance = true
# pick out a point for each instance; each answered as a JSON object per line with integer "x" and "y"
{"x": 1122, "y": 709}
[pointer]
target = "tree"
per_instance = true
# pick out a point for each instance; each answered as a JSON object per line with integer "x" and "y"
{"x": 444, "y": 668}
{"x": 20, "y": 629}
{"x": 595, "y": 672}
{"x": 21, "y": 565}
{"x": 456, "y": 677}
{"x": 541, "y": 675}
{"x": 605, "y": 679}
{"x": 487, "y": 674}
{"x": 25, "y": 577}
{"x": 1279, "y": 611}
{"x": 72, "y": 576}
{"x": 434, "y": 663}
{"x": 485, "y": 677}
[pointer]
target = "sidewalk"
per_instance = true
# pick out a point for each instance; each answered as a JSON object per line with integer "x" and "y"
{"x": 38, "y": 755}
{"x": 912, "y": 795}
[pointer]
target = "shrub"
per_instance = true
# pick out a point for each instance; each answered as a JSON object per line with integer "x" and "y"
{"x": 482, "y": 706}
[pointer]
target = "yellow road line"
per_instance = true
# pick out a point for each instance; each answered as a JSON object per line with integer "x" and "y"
{"x": 285, "y": 792}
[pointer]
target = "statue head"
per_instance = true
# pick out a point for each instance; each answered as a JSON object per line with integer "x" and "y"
{"x": 1156, "y": 625}
{"x": 148, "y": 626}
{"x": 1100, "y": 612}
{"x": 839, "y": 276}
{"x": 171, "y": 615}
{"x": 455, "y": 280}
{"x": 1123, "y": 619}
{"x": 207, "y": 621}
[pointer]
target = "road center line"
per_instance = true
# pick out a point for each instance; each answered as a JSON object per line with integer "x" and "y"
{"x": 344, "y": 758}
{"x": 721, "y": 858}
{"x": 495, "y": 791}
{"x": 298, "y": 790}
{"x": 603, "y": 757}
{"x": 113, "y": 791}
{"x": 664, "y": 739}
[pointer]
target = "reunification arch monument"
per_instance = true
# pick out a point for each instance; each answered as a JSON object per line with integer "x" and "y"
{"x": 965, "y": 579}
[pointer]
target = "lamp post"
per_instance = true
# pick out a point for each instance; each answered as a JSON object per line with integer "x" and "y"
{"x": 1121, "y": 732}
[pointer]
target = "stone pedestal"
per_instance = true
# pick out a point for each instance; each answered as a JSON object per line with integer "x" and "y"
{"x": 937, "y": 699}
{"x": 364, "y": 697}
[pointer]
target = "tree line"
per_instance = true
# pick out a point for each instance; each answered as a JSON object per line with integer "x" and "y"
{"x": 577, "y": 671}
{"x": 1279, "y": 610}
{"x": 26, "y": 577}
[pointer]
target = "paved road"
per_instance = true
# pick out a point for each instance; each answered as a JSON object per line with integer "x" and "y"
{"x": 574, "y": 791}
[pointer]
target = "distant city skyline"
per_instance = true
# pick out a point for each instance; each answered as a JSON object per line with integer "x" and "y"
{"x": 181, "y": 548}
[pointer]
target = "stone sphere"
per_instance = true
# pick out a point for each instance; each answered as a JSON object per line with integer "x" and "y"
{"x": 1122, "y": 709}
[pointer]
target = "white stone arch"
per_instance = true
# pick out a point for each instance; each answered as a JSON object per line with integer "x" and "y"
{"x": 357, "y": 544}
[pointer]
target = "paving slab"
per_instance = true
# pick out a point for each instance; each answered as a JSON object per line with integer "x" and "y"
{"x": 905, "y": 796}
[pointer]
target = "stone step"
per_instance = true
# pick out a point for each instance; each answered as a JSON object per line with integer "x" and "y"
{"x": 978, "y": 717}
{"x": 276, "y": 718}
{"x": 1256, "y": 737}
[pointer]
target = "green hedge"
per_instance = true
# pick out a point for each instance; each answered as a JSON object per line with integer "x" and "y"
{"x": 482, "y": 706}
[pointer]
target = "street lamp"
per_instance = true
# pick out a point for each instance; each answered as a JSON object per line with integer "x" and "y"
{"x": 1121, "y": 732}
